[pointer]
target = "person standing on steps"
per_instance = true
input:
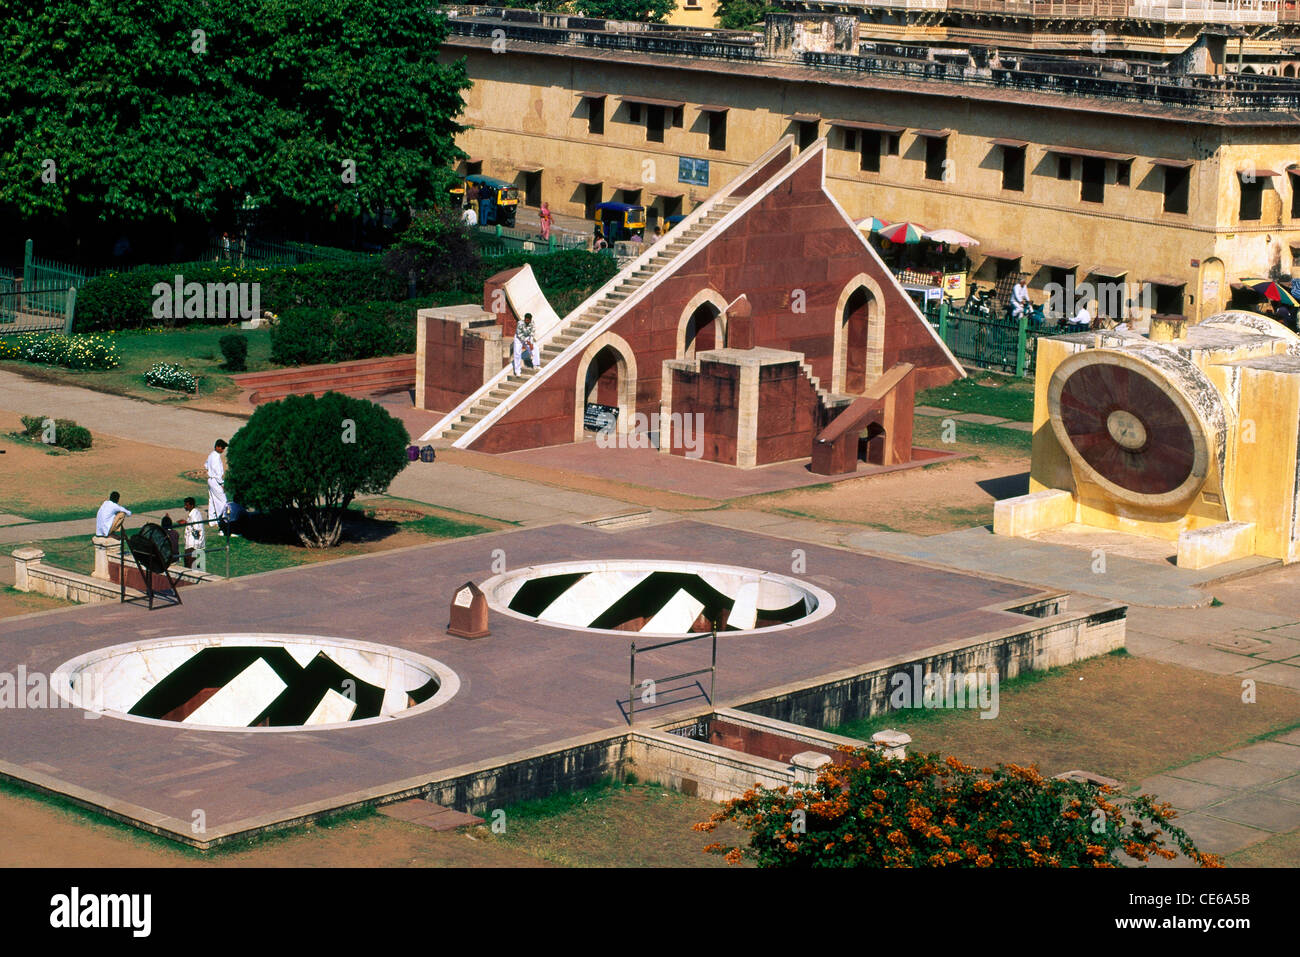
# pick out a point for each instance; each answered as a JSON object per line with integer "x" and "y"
{"x": 528, "y": 334}
{"x": 216, "y": 482}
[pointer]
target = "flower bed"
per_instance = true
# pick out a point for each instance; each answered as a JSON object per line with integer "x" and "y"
{"x": 164, "y": 375}
{"x": 72, "y": 352}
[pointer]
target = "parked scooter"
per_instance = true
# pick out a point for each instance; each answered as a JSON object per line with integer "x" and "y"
{"x": 979, "y": 302}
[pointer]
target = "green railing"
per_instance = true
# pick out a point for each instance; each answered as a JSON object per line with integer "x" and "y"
{"x": 502, "y": 240}
{"x": 997, "y": 342}
{"x": 277, "y": 253}
{"x": 42, "y": 306}
{"x": 39, "y": 270}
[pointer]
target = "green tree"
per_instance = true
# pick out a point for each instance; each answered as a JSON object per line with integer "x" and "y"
{"x": 311, "y": 456}
{"x": 155, "y": 110}
{"x": 648, "y": 10}
{"x": 866, "y": 810}
{"x": 438, "y": 247}
{"x": 739, "y": 14}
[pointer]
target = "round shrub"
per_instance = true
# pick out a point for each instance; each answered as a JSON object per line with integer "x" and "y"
{"x": 234, "y": 348}
{"x": 311, "y": 456}
{"x": 165, "y": 375}
{"x": 73, "y": 437}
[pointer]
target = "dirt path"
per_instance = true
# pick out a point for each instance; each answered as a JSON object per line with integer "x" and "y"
{"x": 956, "y": 494}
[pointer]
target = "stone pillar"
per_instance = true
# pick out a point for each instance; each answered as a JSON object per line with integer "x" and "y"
{"x": 806, "y": 764}
{"x": 893, "y": 744}
{"x": 1168, "y": 328}
{"x": 24, "y": 558}
{"x": 103, "y": 545}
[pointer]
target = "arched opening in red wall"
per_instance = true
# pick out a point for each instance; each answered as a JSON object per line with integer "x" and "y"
{"x": 603, "y": 375}
{"x": 855, "y": 320}
{"x": 702, "y": 329}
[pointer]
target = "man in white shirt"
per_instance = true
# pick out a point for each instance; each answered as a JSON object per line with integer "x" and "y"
{"x": 216, "y": 482}
{"x": 1081, "y": 321}
{"x": 1019, "y": 298}
{"x": 195, "y": 534}
{"x": 109, "y": 518}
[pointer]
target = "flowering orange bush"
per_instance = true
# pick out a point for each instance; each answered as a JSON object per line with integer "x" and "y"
{"x": 924, "y": 811}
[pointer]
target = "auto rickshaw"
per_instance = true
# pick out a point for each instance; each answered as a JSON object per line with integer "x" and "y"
{"x": 618, "y": 221}
{"x": 495, "y": 200}
{"x": 673, "y": 220}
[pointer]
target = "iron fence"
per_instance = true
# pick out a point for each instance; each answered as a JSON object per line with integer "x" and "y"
{"x": 271, "y": 252}
{"x": 46, "y": 305}
{"x": 1001, "y": 342}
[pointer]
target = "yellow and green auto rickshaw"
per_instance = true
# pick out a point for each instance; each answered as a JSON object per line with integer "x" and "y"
{"x": 618, "y": 221}
{"x": 494, "y": 200}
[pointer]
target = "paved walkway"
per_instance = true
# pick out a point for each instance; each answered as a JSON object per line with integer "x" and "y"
{"x": 1237, "y": 798}
{"x": 135, "y": 419}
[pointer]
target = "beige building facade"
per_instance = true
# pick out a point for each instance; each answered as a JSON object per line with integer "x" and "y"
{"x": 1178, "y": 201}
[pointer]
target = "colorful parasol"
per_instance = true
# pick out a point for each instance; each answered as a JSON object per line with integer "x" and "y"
{"x": 903, "y": 233}
{"x": 872, "y": 225}
{"x": 1271, "y": 291}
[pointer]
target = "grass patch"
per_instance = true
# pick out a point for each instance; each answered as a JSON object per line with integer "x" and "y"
{"x": 88, "y": 816}
{"x": 554, "y": 805}
{"x": 1117, "y": 715}
{"x": 267, "y": 545}
{"x": 986, "y": 394}
{"x": 195, "y": 349}
{"x": 929, "y": 433}
{"x": 38, "y": 514}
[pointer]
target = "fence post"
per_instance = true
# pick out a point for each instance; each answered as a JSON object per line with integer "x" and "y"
{"x": 631, "y": 686}
{"x": 68, "y": 310}
{"x": 1021, "y": 336}
{"x": 27, "y": 265}
{"x": 943, "y": 322}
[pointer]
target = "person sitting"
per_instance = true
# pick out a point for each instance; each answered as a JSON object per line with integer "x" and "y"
{"x": 1082, "y": 319}
{"x": 109, "y": 518}
{"x": 195, "y": 534}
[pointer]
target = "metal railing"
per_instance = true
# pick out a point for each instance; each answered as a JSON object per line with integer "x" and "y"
{"x": 711, "y": 671}
{"x": 278, "y": 252}
{"x": 990, "y": 342}
{"x": 46, "y": 305}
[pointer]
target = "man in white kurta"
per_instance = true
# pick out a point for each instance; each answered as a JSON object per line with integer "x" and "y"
{"x": 216, "y": 482}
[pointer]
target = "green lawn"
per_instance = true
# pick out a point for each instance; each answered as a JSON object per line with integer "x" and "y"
{"x": 195, "y": 349}
{"x": 987, "y": 394}
{"x": 247, "y": 557}
{"x": 928, "y": 432}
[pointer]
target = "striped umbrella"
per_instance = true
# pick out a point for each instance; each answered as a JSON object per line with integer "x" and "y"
{"x": 903, "y": 233}
{"x": 1271, "y": 291}
{"x": 871, "y": 224}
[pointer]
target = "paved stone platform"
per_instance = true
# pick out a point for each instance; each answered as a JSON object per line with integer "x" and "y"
{"x": 524, "y": 687}
{"x": 675, "y": 473}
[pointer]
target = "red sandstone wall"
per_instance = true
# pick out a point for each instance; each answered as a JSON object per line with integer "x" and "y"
{"x": 453, "y": 365}
{"x": 789, "y": 414}
{"x": 714, "y": 393}
{"x": 793, "y": 239}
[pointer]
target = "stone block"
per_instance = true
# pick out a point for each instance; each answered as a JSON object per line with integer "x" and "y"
{"x": 1225, "y": 542}
{"x": 24, "y": 560}
{"x": 1024, "y": 515}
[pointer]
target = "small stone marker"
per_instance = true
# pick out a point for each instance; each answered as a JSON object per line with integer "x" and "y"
{"x": 469, "y": 613}
{"x": 806, "y": 764}
{"x": 892, "y": 743}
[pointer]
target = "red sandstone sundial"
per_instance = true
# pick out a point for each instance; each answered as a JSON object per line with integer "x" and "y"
{"x": 1129, "y": 426}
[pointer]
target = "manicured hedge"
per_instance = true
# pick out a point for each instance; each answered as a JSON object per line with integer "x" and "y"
{"x": 125, "y": 300}
{"x": 306, "y": 335}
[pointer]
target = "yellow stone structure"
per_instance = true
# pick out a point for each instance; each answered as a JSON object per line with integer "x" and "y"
{"x": 1190, "y": 434}
{"x": 1169, "y": 186}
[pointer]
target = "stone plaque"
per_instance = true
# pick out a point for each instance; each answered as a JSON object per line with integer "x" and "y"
{"x": 469, "y": 613}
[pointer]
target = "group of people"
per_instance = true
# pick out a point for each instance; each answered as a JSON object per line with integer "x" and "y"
{"x": 111, "y": 518}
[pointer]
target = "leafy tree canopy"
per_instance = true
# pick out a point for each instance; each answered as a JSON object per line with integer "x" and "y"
{"x": 651, "y": 10}
{"x": 739, "y": 14}
{"x": 135, "y": 110}
{"x": 312, "y": 456}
